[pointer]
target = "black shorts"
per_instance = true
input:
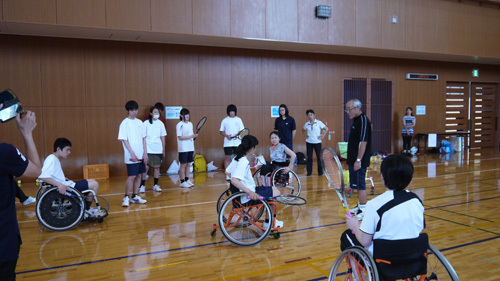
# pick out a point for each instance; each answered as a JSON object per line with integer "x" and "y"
{"x": 186, "y": 157}
{"x": 135, "y": 169}
{"x": 230, "y": 150}
{"x": 82, "y": 185}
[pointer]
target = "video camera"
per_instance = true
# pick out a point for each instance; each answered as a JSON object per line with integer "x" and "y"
{"x": 11, "y": 106}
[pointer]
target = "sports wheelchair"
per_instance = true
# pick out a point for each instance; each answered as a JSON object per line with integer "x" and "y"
{"x": 287, "y": 183}
{"x": 408, "y": 259}
{"x": 244, "y": 223}
{"x": 59, "y": 212}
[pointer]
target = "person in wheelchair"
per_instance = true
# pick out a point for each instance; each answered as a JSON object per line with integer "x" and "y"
{"x": 241, "y": 176}
{"x": 278, "y": 153}
{"x": 53, "y": 174}
{"x": 396, "y": 215}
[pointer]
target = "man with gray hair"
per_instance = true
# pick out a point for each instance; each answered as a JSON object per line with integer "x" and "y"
{"x": 358, "y": 152}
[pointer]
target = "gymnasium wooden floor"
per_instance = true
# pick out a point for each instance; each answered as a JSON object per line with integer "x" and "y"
{"x": 169, "y": 237}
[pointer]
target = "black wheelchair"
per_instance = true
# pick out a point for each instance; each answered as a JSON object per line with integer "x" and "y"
{"x": 408, "y": 259}
{"x": 287, "y": 183}
{"x": 59, "y": 212}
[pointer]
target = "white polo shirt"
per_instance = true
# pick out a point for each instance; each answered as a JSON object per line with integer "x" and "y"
{"x": 313, "y": 131}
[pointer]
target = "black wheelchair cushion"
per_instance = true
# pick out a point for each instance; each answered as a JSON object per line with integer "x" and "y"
{"x": 399, "y": 259}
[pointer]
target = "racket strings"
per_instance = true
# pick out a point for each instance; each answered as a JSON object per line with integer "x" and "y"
{"x": 201, "y": 123}
{"x": 331, "y": 168}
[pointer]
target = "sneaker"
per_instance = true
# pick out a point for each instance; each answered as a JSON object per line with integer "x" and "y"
{"x": 138, "y": 200}
{"x": 29, "y": 201}
{"x": 278, "y": 223}
{"x": 360, "y": 214}
{"x": 142, "y": 189}
{"x": 91, "y": 213}
{"x": 190, "y": 183}
{"x": 125, "y": 201}
{"x": 185, "y": 184}
{"x": 156, "y": 188}
{"x": 354, "y": 210}
{"x": 228, "y": 178}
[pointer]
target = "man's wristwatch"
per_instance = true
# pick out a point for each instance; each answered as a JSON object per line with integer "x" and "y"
{"x": 358, "y": 160}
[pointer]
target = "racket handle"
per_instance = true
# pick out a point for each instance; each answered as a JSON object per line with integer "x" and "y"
{"x": 348, "y": 214}
{"x": 260, "y": 197}
{"x": 135, "y": 160}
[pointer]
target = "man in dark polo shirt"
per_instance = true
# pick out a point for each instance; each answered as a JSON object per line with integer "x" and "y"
{"x": 358, "y": 152}
{"x": 14, "y": 164}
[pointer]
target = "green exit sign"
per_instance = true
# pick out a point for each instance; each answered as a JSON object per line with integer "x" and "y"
{"x": 475, "y": 73}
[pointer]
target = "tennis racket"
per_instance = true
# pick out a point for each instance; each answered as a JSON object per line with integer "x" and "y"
{"x": 333, "y": 172}
{"x": 241, "y": 134}
{"x": 200, "y": 125}
{"x": 286, "y": 199}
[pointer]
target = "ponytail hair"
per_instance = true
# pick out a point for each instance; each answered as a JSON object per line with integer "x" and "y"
{"x": 248, "y": 142}
{"x": 150, "y": 117}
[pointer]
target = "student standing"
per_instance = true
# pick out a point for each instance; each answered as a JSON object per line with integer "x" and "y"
{"x": 229, "y": 128}
{"x": 314, "y": 130}
{"x": 409, "y": 122}
{"x": 185, "y": 146}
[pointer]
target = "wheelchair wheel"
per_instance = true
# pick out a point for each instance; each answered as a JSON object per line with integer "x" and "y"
{"x": 354, "y": 263}
{"x": 288, "y": 184}
{"x": 59, "y": 212}
{"x": 257, "y": 177}
{"x": 438, "y": 267}
{"x": 243, "y": 224}
{"x": 222, "y": 198}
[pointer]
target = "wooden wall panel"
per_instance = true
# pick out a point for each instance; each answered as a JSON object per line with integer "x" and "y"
{"x": 1, "y": 9}
{"x": 105, "y": 73}
{"x": 211, "y": 17}
{"x": 39, "y": 11}
{"x": 20, "y": 68}
{"x": 144, "y": 73}
{"x": 492, "y": 27}
{"x": 422, "y": 30}
{"x": 276, "y": 86}
{"x": 303, "y": 89}
{"x": 327, "y": 79}
{"x": 246, "y": 79}
{"x": 102, "y": 137}
{"x": 393, "y": 34}
{"x": 282, "y": 20}
{"x": 342, "y": 28}
{"x": 62, "y": 69}
{"x": 67, "y": 122}
{"x": 180, "y": 80}
{"x": 172, "y": 16}
{"x": 369, "y": 23}
{"x": 311, "y": 29}
{"x": 455, "y": 19}
{"x": 214, "y": 80}
{"x": 128, "y": 14}
{"x": 90, "y": 13}
{"x": 248, "y": 18}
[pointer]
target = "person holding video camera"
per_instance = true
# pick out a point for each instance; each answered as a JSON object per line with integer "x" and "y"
{"x": 14, "y": 164}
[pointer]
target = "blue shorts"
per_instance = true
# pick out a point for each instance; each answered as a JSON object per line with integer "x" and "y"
{"x": 186, "y": 157}
{"x": 135, "y": 169}
{"x": 82, "y": 185}
{"x": 357, "y": 179}
{"x": 264, "y": 191}
{"x": 230, "y": 150}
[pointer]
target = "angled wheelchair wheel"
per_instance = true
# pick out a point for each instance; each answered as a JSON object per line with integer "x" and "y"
{"x": 257, "y": 177}
{"x": 222, "y": 198}
{"x": 438, "y": 267}
{"x": 59, "y": 212}
{"x": 41, "y": 190}
{"x": 354, "y": 263}
{"x": 287, "y": 183}
{"x": 243, "y": 224}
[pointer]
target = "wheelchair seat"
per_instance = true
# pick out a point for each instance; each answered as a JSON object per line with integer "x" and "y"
{"x": 400, "y": 259}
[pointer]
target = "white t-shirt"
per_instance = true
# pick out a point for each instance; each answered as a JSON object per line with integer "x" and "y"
{"x": 313, "y": 131}
{"x": 154, "y": 132}
{"x": 241, "y": 170}
{"x": 134, "y": 132}
{"x": 231, "y": 126}
{"x": 52, "y": 169}
{"x": 404, "y": 221}
{"x": 184, "y": 129}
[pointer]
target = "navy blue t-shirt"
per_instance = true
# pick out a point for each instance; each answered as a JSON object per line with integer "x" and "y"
{"x": 285, "y": 128}
{"x": 12, "y": 164}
